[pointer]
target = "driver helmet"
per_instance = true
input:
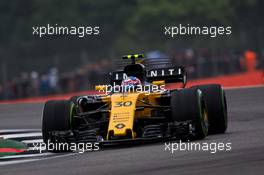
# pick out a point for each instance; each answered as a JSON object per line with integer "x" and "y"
{"x": 131, "y": 81}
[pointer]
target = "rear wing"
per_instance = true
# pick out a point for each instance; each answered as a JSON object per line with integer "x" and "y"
{"x": 169, "y": 75}
{"x": 117, "y": 77}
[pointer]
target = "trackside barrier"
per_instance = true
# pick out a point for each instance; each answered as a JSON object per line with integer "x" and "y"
{"x": 230, "y": 81}
{"x": 227, "y": 81}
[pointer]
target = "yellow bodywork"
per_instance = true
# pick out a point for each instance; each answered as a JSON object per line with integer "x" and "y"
{"x": 123, "y": 111}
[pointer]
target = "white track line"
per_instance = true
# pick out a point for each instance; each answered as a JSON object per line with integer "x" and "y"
{"x": 19, "y": 130}
{"x": 17, "y": 161}
{"x": 33, "y": 141}
{"x": 25, "y": 156}
{"x": 31, "y": 160}
{"x": 10, "y": 136}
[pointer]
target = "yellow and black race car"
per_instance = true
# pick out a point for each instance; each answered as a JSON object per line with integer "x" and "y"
{"x": 138, "y": 109}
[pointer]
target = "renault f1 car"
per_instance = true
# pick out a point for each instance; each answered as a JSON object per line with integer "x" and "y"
{"x": 115, "y": 117}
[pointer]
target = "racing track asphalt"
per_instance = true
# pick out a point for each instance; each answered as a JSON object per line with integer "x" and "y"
{"x": 245, "y": 132}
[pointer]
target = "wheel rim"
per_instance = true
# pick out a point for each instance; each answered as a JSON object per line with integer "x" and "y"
{"x": 203, "y": 113}
{"x": 204, "y": 119}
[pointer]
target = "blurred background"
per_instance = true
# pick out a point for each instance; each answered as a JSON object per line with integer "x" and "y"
{"x": 32, "y": 66}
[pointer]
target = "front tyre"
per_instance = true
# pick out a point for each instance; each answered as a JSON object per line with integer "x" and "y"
{"x": 188, "y": 104}
{"x": 217, "y": 107}
{"x": 57, "y": 116}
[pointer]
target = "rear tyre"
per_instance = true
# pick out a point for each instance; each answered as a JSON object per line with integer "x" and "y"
{"x": 56, "y": 117}
{"x": 217, "y": 108}
{"x": 188, "y": 104}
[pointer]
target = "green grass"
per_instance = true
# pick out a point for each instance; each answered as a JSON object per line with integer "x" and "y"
{"x": 7, "y": 143}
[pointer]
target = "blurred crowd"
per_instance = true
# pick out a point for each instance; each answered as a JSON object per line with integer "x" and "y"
{"x": 199, "y": 63}
{"x": 34, "y": 84}
{"x": 205, "y": 62}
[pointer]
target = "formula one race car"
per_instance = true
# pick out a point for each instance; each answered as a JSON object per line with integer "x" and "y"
{"x": 137, "y": 107}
